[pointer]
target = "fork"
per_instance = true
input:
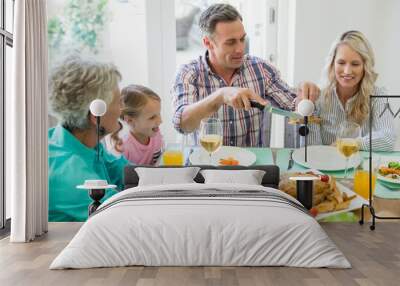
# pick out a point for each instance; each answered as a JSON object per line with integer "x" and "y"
{"x": 291, "y": 161}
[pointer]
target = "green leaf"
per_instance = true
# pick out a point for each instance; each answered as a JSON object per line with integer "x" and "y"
{"x": 394, "y": 165}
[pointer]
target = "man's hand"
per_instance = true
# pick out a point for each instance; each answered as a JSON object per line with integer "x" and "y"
{"x": 236, "y": 97}
{"x": 308, "y": 90}
{"x": 239, "y": 98}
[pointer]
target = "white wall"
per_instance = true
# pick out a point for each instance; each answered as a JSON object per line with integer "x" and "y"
{"x": 161, "y": 57}
{"x": 388, "y": 58}
{"x": 125, "y": 41}
{"x": 387, "y": 46}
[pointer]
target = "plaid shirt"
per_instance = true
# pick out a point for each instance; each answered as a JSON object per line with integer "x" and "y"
{"x": 195, "y": 81}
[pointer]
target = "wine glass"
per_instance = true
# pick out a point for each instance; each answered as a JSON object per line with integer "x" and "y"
{"x": 211, "y": 135}
{"x": 348, "y": 141}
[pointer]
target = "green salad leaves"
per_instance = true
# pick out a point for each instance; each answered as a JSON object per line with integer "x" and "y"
{"x": 394, "y": 165}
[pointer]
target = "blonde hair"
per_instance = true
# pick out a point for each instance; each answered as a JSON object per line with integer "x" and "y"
{"x": 74, "y": 84}
{"x": 359, "y": 43}
{"x": 133, "y": 99}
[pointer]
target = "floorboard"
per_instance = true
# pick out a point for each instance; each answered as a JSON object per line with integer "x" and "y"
{"x": 374, "y": 255}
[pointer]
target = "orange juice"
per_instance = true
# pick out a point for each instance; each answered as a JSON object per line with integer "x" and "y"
{"x": 361, "y": 183}
{"x": 173, "y": 157}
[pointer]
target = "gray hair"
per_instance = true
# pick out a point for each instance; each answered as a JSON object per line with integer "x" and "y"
{"x": 74, "y": 83}
{"x": 217, "y": 13}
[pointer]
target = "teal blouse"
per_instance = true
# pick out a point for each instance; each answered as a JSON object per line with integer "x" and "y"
{"x": 70, "y": 164}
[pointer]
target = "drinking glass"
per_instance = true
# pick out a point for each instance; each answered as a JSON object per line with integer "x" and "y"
{"x": 173, "y": 155}
{"x": 211, "y": 135}
{"x": 347, "y": 141}
{"x": 361, "y": 177}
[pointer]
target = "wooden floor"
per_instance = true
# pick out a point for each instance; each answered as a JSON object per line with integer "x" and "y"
{"x": 374, "y": 255}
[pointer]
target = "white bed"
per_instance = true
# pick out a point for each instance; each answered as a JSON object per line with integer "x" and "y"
{"x": 251, "y": 228}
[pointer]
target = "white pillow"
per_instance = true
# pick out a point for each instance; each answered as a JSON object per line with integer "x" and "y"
{"x": 248, "y": 177}
{"x": 166, "y": 176}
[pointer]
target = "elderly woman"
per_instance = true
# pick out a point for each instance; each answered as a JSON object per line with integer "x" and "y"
{"x": 350, "y": 81}
{"x": 72, "y": 144}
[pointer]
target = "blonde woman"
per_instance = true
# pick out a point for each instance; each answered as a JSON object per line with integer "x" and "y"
{"x": 73, "y": 85}
{"x": 350, "y": 80}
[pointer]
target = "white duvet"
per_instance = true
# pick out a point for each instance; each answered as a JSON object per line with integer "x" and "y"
{"x": 183, "y": 231}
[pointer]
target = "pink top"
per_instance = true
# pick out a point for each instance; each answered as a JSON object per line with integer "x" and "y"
{"x": 140, "y": 154}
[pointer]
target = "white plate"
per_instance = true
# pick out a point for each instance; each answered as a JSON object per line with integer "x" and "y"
{"x": 325, "y": 158}
{"x": 201, "y": 157}
{"x": 385, "y": 162}
{"x": 355, "y": 203}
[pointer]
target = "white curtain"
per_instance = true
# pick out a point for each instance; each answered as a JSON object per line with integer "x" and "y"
{"x": 26, "y": 119}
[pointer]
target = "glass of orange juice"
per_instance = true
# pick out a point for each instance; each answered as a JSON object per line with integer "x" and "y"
{"x": 361, "y": 178}
{"x": 173, "y": 155}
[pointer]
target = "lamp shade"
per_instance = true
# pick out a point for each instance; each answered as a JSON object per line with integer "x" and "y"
{"x": 305, "y": 107}
{"x": 98, "y": 107}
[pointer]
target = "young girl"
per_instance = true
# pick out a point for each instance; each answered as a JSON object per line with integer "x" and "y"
{"x": 140, "y": 110}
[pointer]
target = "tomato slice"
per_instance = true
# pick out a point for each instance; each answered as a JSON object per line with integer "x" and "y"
{"x": 314, "y": 212}
{"x": 324, "y": 178}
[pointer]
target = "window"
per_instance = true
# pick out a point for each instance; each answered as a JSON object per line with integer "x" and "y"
{"x": 6, "y": 43}
{"x": 103, "y": 30}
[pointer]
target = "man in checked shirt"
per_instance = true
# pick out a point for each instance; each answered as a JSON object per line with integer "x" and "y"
{"x": 222, "y": 82}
